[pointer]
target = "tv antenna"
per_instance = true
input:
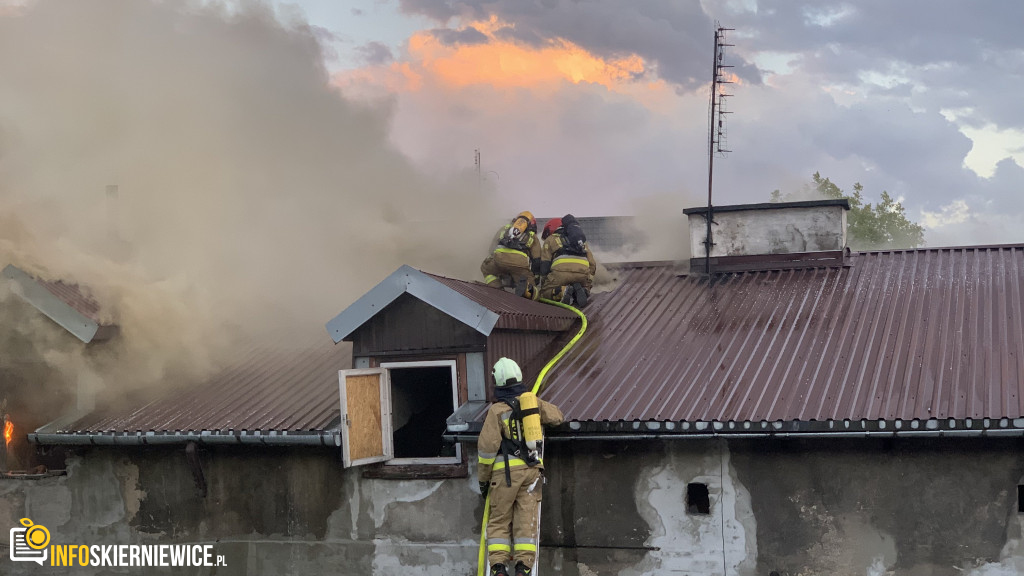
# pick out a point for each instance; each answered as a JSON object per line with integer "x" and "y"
{"x": 716, "y": 128}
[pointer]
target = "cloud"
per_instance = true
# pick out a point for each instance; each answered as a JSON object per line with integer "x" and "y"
{"x": 468, "y": 35}
{"x": 376, "y": 53}
{"x": 953, "y": 54}
{"x": 955, "y": 212}
{"x": 675, "y": 37}
{"x": 862, "y": 92}
{"x": 499, "y": 62}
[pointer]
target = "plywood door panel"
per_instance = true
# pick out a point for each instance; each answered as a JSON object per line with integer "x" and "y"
{"x": 366, "y": 415}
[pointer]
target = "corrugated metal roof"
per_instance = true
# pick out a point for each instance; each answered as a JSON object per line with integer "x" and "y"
{"x": 66, "y": 304}
{"x": 514, "y": 312}
{"x": 72, "y": 295}
{"x": 287, "y": 388}
{"x": 918, "y": 334}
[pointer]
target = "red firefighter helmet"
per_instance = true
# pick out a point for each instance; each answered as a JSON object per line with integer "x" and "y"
{"x": 550, "y": 227}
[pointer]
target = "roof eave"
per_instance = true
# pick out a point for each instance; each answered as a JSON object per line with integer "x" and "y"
{"x": 331, "y": 438}
{"x": 848, "y": 428}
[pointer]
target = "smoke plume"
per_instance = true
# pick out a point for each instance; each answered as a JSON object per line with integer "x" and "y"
{"x": 191, "y": 165}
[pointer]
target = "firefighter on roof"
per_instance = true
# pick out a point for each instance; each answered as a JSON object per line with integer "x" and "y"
{"x": 567, "y": 264}
{"x": 510, "y": 468}
{"x": 515, "y": 256}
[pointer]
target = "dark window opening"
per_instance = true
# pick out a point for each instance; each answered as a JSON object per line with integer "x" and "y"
{"x": 421, "y": 401}
{"x": 697, "y": 499}
{"x": 1020, "y": 498}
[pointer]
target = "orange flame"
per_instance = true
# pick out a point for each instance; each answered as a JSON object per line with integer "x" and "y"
{"x": 8, "y": 432}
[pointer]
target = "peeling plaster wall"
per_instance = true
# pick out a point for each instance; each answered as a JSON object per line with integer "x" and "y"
{"x": 938, "y": 507}
{"x": 270, "y": 511}
{"x": 631, "y": 517}
{"x": 770, "y": 231}
{"x": 909, "y": 507}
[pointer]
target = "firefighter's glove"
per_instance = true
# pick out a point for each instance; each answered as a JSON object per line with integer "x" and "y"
{"x": 484, "y": 487}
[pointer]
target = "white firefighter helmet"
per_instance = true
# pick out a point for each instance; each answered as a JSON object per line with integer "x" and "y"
{"x": 506, "y": 372}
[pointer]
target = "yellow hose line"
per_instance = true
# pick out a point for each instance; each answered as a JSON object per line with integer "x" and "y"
{"x": 583, "y": 317}
{"x": 481, "y": 561}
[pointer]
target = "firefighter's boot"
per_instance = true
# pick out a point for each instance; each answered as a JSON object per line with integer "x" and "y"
{"x": 564, "y": 294}
{"x": 580, "y": 294}
{"x": 499, "y": 570}
{"x": 522, "y": 570}
{"x": 521, "y": 287}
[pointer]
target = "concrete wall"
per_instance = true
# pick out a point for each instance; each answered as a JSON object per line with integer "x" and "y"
{"x": 908, "y": 507}
{"x": 271, "y": 511}
{"x": 770, "y": 231}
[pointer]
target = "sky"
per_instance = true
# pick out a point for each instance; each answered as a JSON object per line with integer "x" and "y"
{"x": 599, "y": 106}
{"x": 215, "y": 172}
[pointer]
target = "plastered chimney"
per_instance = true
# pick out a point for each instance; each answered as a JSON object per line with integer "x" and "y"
{"x": 770, "y": 236}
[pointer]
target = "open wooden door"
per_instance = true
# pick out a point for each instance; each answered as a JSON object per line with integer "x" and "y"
{"x": 365, "y": 416}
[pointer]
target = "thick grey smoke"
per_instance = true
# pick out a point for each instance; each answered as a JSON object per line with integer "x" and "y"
{"x": 251, "y": 197}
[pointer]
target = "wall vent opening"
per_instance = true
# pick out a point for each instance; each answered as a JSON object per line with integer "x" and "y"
{"x": 697, "y": 499}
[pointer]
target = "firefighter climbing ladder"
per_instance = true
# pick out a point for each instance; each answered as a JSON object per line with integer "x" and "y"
{"x": 482, "y": 567}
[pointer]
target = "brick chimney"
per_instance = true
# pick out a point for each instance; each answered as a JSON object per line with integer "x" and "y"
{"x": 770, "y": 236}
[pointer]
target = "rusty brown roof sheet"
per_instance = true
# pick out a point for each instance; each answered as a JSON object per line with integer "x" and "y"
{"x": 897, "y": 335}
{"x": 73, "y": 295}
{"x": 67, "y": 304}
{"x": 514, "y": 312}
{"x": 286, "y": 388}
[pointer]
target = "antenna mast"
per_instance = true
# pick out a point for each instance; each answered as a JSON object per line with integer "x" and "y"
{"x": 477, "y": 166}
{"x": 716, "y": 128}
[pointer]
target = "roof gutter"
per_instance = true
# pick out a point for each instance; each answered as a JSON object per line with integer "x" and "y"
{"x": 330, "y": 438}
{"x": 862, "y": 428}
{"x": 597, "y": 437}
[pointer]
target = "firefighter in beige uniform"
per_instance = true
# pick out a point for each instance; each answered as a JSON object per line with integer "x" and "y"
{"x": 509, "y": 467}
{"x": 516, "y": 254}
{"x": 567, "y": 263}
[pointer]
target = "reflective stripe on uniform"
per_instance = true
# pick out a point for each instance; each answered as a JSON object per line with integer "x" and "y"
{"x": 570, "y": 260}
{"x": 525, "y": 545}
{"x": 490, "y": 278}
{"x": 504, "y": 250}
{"x": 484, "y": 460}
{"x": 498, "y": 547}
{"x": 487, "y": 456}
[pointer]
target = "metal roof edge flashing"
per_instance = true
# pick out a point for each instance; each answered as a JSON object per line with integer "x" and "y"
{"x": 749, "y": 429}
{"x": 81, "y": 326}
{"x": 418, "y": 284}
{"x": 330, "y": 438}
{"x": 452, "y": 303}
{"x": 842, "y": 202}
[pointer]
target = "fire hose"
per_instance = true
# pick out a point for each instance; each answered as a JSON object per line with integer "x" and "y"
{"x": 537, "y": 385}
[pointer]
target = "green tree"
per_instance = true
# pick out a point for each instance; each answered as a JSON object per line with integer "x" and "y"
{"x": 884, "y": 225}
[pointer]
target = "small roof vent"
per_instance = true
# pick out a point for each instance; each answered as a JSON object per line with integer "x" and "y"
{"x": 770, "y": 236}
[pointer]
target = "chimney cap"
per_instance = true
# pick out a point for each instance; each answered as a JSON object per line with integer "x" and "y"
{"x": 772, "y": 205}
